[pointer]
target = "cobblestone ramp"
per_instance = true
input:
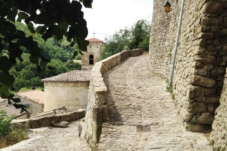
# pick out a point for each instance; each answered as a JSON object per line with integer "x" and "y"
{"x": 143, "y": 115}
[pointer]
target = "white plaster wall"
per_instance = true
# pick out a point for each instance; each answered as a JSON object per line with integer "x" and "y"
{"x": 71, "y": 95}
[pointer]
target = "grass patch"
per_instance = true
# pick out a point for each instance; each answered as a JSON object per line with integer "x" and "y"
{"x": 170, "y": 90}
{"x": 10, "y": 135}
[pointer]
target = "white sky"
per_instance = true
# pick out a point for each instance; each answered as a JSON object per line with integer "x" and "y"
{"x": 108, "y": 16}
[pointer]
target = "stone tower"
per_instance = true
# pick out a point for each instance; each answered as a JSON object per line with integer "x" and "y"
{"x": 94, "y": 50}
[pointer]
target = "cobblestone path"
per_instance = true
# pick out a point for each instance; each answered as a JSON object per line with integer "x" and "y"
{"x": 143, "y": 116}
{"x": 52, "y": 139}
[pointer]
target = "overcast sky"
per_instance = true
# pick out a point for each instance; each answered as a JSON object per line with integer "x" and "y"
{"x": 108, "y": 16}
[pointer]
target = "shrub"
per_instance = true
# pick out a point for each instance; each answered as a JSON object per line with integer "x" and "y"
{"x": 5, "y": 123}
{"x": 10, "y": 135}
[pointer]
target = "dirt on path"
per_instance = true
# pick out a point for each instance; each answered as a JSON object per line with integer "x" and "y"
{"x": 143, "y": 115}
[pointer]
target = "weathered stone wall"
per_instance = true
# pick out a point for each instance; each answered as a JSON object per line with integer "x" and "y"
{"x": 50, "y": 120}
{"x": 96, "y": 112}
{"x": 218, "y": 137}
{"x": 200, "y": 62}
{"x": 200, "y": 65}
{"x": 163, "y": 35}
{"x": 72, "y": 95}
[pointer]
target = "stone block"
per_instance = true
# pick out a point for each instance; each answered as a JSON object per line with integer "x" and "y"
{"x": 196, "y": 107}
{"x": 201, "y": 42}
{"x": 216, "y": 42}
{"x": 200, "y": 50}
{"x": 224, "y": 32}
{"x": 218, "y": 71}
{"x": 205, "y": 59}
{"x": 201, "y": 72}
{"x": 196, "y": 128}
{"x": 186, "y": 115}
{"x": 62, "y": 124}
{"x": 215, "y": 29}
{"x": 211, "y": 21}
{"x": 225, "y": 22}
{"x": 211, "y": 108}
{"x": 212, "y": 99}
{"x": 205, "y": 35}
{"x": 205, "y": 118}
{"x": 194, "y": 91}
{"x": 202, "y": 81}
{"x": 212, "y": 8}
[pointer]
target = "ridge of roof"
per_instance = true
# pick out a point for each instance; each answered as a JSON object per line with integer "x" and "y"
{"x": 33, "y": 95}
{"x": 94, "y": 40}
{"x": 72, "y": 76}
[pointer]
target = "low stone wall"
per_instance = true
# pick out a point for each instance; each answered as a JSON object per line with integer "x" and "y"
{"x": 49, "y": 120}
{"x": 96, "y": 112}
{"x": 218, "y": 137}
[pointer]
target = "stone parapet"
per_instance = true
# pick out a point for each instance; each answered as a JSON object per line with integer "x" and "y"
{"x": 96, "y": 111}
{"x": 50, "y": 119}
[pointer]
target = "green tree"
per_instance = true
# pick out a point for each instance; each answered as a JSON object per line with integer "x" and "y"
{"x": 137, "y": 36}
{"x": 140, "y": 35}
{"x": 55, "y": 18}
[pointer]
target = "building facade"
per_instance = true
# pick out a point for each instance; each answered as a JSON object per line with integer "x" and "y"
{"x": 93, "y": 53}
{"x": 68, "y": 89}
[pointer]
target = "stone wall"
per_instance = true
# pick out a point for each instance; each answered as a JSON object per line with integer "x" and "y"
{"x": 163, "y": 35}
{"x": 218, "y": 137}
{"x": 96, "y": 112}
{"x": 200, "y": 61}
{"x": 50, "y": 120}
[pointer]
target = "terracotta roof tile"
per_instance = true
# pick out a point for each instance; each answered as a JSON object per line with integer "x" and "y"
{"x": 72, "y": 76}
{"x": 33, "y": 95}
{"x": 94, "y": 40}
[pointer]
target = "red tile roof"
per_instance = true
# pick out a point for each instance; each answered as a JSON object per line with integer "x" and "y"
{"x": 94, "y": 40}
{"x": 33, "y": 95}
{"x": 72, "y": 76}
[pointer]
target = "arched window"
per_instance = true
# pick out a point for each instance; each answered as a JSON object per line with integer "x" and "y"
{"x": 91, "y": 59}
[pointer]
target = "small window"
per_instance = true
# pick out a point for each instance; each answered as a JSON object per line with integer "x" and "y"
{"x": 91, "y": 59}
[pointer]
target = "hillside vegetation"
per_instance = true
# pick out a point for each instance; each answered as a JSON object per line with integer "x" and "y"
{"x": 28, "y": 75}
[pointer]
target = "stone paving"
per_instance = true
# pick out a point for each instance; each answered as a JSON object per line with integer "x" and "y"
{"x": 143, "y": 115}
{"x": 52, "y": 139}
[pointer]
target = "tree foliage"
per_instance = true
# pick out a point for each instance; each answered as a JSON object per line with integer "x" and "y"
{"x": 137, "y": 36}
{"x": 55, "y": 18}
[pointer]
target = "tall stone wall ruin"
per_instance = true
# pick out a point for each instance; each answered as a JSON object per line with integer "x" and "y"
{"x": 201, "y": 59}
